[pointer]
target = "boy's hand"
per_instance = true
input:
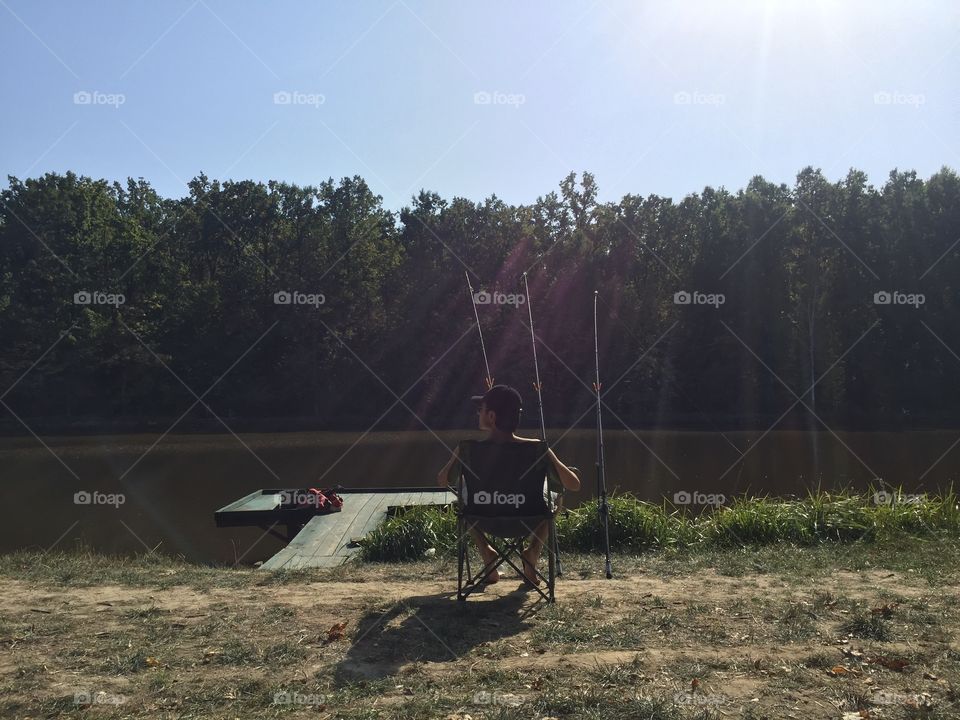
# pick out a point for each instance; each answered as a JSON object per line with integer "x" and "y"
{"x": 443, "y": 477}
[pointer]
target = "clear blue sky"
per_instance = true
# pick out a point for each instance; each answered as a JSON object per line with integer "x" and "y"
{"x": 663, "y": 97}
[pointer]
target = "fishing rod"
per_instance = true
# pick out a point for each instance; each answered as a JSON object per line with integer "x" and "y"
{"x": 476, "y": 315}
{"x": 538, "y": 387}
{"x": 602, "y": 507}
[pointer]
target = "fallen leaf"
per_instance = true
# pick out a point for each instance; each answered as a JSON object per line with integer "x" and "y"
{"x": 336, "y": 632}
{"x": 151, "y": 662}
{"x": 838, "y": 670}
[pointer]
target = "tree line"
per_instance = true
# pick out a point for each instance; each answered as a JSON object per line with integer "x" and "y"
{"x": 281, "y": 306}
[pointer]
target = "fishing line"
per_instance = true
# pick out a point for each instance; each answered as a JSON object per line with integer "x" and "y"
{"x": 476, "y": 315}
{"x": 602, "y": 507}
{"x": 538, "y": 387}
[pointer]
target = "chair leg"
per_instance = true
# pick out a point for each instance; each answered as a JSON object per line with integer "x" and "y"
{"x": 553, "y": 561}
{"x": 556, "y": 552}
{"x": 511, "y": 554}
{"x": 469, "y": 582}
{"x": 461, "y": 557}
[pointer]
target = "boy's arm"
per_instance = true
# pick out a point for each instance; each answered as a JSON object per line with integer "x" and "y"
{"x": 568, "y": 478}
{"x": 443, "y": 477}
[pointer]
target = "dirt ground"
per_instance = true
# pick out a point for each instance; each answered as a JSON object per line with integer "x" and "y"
{"x": 661, "y": 640}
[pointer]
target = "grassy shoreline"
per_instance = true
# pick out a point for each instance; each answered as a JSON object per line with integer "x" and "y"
{"x": 639, "y": 526}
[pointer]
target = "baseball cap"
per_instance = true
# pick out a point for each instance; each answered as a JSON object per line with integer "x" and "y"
{"x": 504, "y": 400}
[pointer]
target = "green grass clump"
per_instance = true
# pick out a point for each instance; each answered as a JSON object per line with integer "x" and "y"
{"x": 408, "y": 535}
{"x": 819, "y": 517}
{"x": 634, "y": 526}
{"x": 840, "y": 517}
{"x": 638, "y": 526}
{"x": 919, "y": 514}
{"x": 753, "y": 521}
{"x": 868, "y": 626}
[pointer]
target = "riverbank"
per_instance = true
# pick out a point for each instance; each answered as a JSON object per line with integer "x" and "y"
{"x": 699, "y": 521}
{"x": 774, "y": 632}
{"x": 171, "y": 485}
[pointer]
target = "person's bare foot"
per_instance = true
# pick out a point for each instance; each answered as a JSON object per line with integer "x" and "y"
{"x": 530, "y": 572}
{"x": 494, "y": 575}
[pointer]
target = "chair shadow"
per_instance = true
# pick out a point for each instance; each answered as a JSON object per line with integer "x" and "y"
{"x": 432, "y": 628}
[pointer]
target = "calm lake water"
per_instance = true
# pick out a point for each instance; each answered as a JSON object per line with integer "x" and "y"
{"x": 173, "y": 489}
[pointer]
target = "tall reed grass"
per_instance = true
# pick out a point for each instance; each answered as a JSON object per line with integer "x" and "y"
{"x": 639, "y": 526}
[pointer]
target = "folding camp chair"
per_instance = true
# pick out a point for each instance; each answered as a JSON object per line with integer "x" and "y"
{"x": 505, "y": 491}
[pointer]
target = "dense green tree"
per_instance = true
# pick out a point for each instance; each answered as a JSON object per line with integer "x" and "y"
{"x": 203, "y": 280}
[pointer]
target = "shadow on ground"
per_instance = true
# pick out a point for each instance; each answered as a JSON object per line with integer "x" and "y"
{"x": 433, "y": 628}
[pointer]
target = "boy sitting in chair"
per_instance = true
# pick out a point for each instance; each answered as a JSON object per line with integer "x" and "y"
{"x": 499, "y": 415}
